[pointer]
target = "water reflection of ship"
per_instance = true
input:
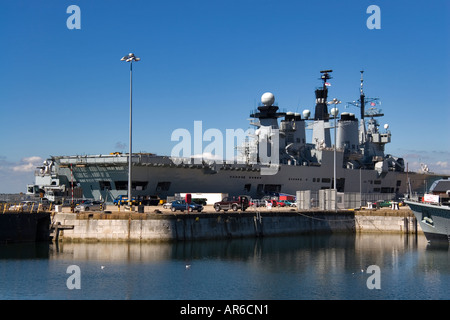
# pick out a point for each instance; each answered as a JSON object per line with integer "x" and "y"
{"x": 362, "y": 165}
{"x": 294, "y": 251}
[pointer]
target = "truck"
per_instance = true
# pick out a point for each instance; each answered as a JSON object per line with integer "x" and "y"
{"x": 209, "y": 198}
{"x": 233, "y": 203}
{"x": 123, "y": 200}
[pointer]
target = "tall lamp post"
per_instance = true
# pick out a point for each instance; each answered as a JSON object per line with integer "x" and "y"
{"x": 334, "y": 113}
{"x": 130, "y": 58}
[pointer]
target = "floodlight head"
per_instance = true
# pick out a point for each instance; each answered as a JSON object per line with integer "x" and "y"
{"x": 334, "y": 101}
{"x": 130, "y": 58}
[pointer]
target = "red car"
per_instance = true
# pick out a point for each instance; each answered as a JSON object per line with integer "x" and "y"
{"x": 275, "y": 203}
{"x": 280, "y": 204}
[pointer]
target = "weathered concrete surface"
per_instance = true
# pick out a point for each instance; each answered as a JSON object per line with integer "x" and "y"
{"x": 195, "y": 226}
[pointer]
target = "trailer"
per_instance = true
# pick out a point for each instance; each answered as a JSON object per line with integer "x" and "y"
{"x": 211, "y": 198}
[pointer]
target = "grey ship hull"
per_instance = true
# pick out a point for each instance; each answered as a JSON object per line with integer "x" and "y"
{"x": 106, "y": 177}
{"x": 433, "y": 219}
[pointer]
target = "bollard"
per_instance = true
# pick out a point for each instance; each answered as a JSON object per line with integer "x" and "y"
{"x": 406, "y": 224}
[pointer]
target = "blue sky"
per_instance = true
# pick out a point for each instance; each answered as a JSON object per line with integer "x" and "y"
{"x": 66, "y": 92}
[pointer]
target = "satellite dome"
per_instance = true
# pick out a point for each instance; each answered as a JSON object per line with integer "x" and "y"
{"x": 334, "y": 112}
{"x": 306, "y": 113}
{"x": 267, "y": 99}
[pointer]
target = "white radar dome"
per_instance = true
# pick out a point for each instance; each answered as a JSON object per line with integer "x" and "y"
{"x": 334, "y": 112}
{"x": 267, "y": 98}
{"x": 386, "y": 126}
{"x": 306, "y": 113}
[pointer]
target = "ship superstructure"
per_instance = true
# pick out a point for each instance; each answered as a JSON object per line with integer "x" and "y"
{"x": 275, "y": 159}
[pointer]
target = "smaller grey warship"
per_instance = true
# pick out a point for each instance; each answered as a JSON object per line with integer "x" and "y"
{"x": 433, "y": 212}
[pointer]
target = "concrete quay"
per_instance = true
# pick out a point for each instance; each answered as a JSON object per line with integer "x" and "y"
{"x": 163, "y": 225}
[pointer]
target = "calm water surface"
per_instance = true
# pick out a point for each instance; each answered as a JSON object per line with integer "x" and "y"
{"x": 284, "y": 268}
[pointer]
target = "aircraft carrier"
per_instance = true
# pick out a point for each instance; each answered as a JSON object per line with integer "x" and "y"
{"x": 275, "y": 159}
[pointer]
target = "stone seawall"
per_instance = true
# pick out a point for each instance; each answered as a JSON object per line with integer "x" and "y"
{"x": 192, "y": 226}
{"x": 387, "y": 221}
{"x": 24, "y": 227}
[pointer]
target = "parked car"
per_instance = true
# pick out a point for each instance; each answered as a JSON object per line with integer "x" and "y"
{"x": 232, "y": 203}
{"x": 280, "y": 203}
{"x": 257, "y": 203}
{"x": 89, "y": 205}
{"x": 25, "y": 206}
{"x": 182, "y": 205}
{"x": 201, "y": 201}
{"x": 271, "y": 203}
{"x": 382, "y": 203}
{"x": 288, "y": 203}
{"x": 167, "y": 205}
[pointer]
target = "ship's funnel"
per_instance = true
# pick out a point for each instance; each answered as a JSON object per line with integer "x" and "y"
{"x": 321, "y": 112}
{"x": 347, "y": 132}
{"x": 293, "y": 129}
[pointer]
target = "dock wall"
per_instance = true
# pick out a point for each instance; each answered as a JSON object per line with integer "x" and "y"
{"x": 387, "y": 221}
{"x": 24, "y": 227}
{"x": 192, "y": 226}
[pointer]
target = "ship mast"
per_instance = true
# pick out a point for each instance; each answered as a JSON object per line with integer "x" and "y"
{"x": 362, "y": 96}
{"x": 321, "y": 112}
{"x": 362, "y": 99}
{"x": 268, "y": 124}
{"x": 372, "y": 112}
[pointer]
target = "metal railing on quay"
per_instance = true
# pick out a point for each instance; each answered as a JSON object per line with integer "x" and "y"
{"x": 31, "y": 207}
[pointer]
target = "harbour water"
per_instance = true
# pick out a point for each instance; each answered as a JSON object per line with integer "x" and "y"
{"x": 328, "y": 267}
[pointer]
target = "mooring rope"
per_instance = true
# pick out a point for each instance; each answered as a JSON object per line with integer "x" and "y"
{"x": 321, "y": 219}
